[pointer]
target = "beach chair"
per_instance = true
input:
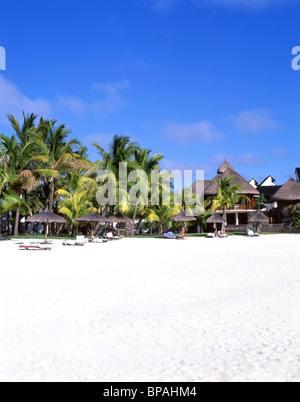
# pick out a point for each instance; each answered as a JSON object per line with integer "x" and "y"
{"x": 97, "y": 240}
{"x": 211, "y": 236}
{"x": 170, "y": 235}
{"x": 110, "y": 236}
{"x": 249, "y": 233}
{"x": 80, "y": 241}
{"x": 42, "y": 247}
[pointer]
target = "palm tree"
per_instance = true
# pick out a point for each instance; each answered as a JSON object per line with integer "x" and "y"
{"x": 228, "y": 196}
{"x": 18, "y": 174}
{"x": 54, "y": 153}
{"x": 260, "y": 202}
{"x": 145, "y": 162}
{"x": 121, "y": 150}
{"x": 73, "y": 205}
{"x": 24, "y": 133}
{"x": 204, "y": 216}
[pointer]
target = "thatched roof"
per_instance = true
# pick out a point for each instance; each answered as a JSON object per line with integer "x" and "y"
{"x": 198, "y": 185}
{"x": 224, "y": 167}
{"x": 119, "y": 218}
{"x": 92, "y": 217}
{"x": 46, "y": 217}
{"x": 290, "y": 191}
{"x": 215, "y": 219}
{"x": 212, "y": 189}
{"x": 259, "y": 218}
{"x": 183, "y": 217}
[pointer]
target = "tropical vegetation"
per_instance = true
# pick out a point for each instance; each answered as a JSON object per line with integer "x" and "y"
{"x": 43, "y": 166}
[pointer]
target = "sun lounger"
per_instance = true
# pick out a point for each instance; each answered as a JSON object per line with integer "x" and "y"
{"x": 211, "y": 236}
{"x": 100, "y": 241}
{"x": 69, "y": 243}
{"x": 37, "y": 247}
{"x": 251, "y": 233}
{"x": 110, "y": 236}
{"x": 80, "y": 241}
{"x": 171, "y": 235}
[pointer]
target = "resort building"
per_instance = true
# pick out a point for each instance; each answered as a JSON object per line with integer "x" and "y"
{"x": 267, "y": 188}
{"x": 288, "y": 199}
{"x": 298, "y": 175}
{"x": 240, "y": 214}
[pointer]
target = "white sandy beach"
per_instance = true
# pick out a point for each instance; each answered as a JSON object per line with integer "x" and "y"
{"x": 152, "y": 310}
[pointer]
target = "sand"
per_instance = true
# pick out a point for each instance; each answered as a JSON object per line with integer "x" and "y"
{"x": 152, "y": 310}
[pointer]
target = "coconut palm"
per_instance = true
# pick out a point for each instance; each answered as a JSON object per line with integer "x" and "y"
{"x": 73, "y": 205}
{"x": 19, "y": 176}
{"x": 228, "y": 196}
{"x": 148, "y": 164}
{"x": 54, "y": 153}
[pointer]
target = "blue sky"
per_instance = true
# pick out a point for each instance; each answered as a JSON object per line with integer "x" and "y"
{"x": 193, "y": 79}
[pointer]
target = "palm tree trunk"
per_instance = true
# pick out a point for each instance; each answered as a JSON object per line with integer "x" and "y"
{"x": 51, "y": 202}
{"x": 225, "y": 219}
{"x": 16, "y": 231}
{"x": 51, "y": 194}
{"x": 134, "y": 217}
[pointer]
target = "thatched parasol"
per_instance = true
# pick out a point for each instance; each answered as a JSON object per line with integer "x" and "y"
{"x": 289, "y": 192}
{"x": 215, "y": 218}
{"x": 92, "y": 218}
{"x": 259, "y": 218}
{"x": 46, "y": 217}
{"x": 119, "y": 218}
{"x": 183, "y": 217}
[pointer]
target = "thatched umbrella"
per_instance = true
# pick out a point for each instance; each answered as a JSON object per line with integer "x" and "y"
{"x": 215, "y": 219}
{"x": 46, "y": 217}
{"x": 119, "y": 218}
{"x": 183, "y": 217}
{"x": 259, "y": 219}
{"x": 92, "y": 218}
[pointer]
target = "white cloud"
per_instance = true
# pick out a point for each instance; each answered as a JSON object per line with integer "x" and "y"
{"x": 167, "y": 5}
{"x": 14, "y": 101}
{"x": 203, "y": 131}
{"x": 252, "y": 4}
{"x": 254, "y": 121}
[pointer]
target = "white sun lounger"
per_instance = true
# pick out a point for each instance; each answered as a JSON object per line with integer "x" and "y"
{"x": 170, "y": 235}
{"x": 110, "y": 236}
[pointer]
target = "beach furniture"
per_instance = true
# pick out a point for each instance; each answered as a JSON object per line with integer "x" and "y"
{"x": 183, "y": 217}
{"x": 119, "y": 219}
{"x": 110, "y": 236}
{"x": 69, "y": 243}
{"x": 92, "y": 218}
{"x": 251, "y": 233}
{"x": 46, "y": 218}
{"x": 80, "y": 241}
{"x": 96, "y": 240}
{"x": 170, "y": 235}
{"x": 211, "y": 236}
{"x": 44, "y": 247}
